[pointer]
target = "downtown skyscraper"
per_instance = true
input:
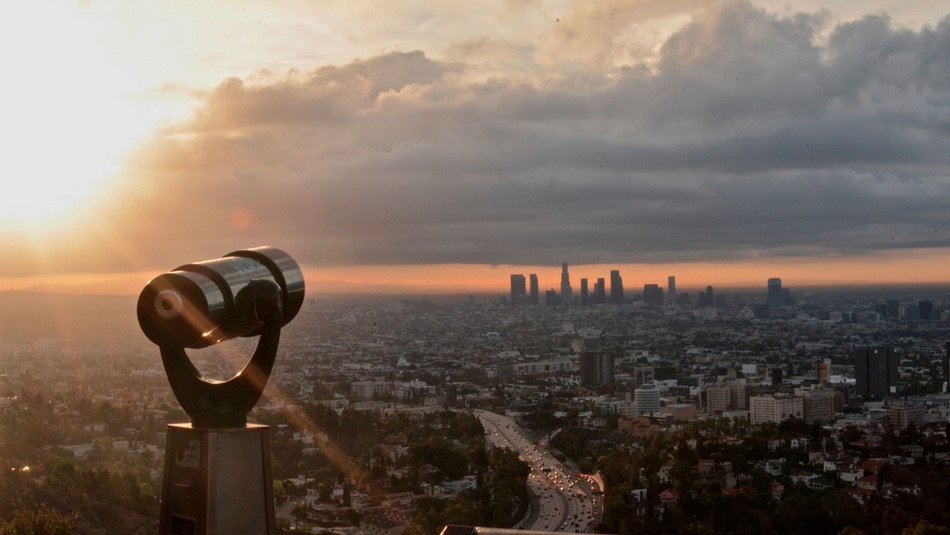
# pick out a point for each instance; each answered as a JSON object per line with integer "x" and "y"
{"x": 875, "y": 372}
{"x": 519, "y": 290}
{"x": 567, "y": 294}
{"x": 773, "y": 296}
{"x": 616, "y": 287}
{"x": 597, "y": 368}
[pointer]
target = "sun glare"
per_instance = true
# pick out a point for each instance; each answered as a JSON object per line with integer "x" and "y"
{"x": 67, "y": 113}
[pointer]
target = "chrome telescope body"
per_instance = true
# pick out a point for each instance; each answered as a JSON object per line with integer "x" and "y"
{"x": 207, "y": 302}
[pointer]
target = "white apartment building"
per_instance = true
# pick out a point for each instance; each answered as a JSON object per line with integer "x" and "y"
{"x": 646, "y": 399}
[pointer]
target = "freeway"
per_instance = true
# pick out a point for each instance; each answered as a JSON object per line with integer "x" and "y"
{"x": 561, "y": 499}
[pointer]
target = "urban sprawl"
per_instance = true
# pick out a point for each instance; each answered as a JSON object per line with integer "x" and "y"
{"x": 760, "y": 410}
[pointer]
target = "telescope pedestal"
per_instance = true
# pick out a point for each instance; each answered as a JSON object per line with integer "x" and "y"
{"x": 217, "y": 481}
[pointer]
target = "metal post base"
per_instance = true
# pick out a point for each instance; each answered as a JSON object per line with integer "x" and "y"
{"x": 217, "y": 481}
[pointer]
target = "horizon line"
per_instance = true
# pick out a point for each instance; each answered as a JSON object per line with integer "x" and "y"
{"x": 339, "y": 288}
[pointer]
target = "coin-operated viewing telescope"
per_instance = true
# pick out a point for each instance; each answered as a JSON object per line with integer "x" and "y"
{"x": 200, "y": 304}
{"x": 217, "y": 468}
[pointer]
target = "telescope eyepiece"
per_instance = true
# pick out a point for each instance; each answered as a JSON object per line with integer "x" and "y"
{"x": 169, "y": 304}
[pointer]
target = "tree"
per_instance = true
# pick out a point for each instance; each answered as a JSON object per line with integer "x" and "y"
{"x": 926, "y": 528}
{"x": 41, "y": 521}
{"x": 889, "y": 438}
{"x": 300, "y": 511}
{"x": 280, "y": 494}
{"x": 910, "y": 435}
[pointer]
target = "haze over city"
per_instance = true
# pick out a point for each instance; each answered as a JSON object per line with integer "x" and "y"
{"x": 435, "y": 148}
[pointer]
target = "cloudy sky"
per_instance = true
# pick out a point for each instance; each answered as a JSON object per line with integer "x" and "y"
{"x": 438, "y": 146}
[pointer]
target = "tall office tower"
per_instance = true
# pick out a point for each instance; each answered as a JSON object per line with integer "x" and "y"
{"x": 567, "y": 295}
{"x": 773, "y": 296}
{"x": 709, "y": 296}
{"x": 534, "y": 298}
{"x": 616, "y": 287}
{"x": 585, "y": 298}
{"x": 597, "y": 369}
{"x": 925, "y": 309}
{"x": 893, "y": 308}
{"x": 652, "y": 294}
{"x": 518, "y": 295}
{"x": 671, "y": 290}
{"x": 600, "y": 292}
{"x": 875, "y": 372}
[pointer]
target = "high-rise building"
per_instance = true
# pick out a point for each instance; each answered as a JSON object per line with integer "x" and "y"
{"x": 875, "y": 372}
{"x": 671, "y": 290}
{"x": 585, "y": 297}
{"x": 824, "y": 370}
{"x": 616, "y": 287}
{"x": 718, "y": 399}
{"x": 819, "y": 405}
{"x": 597, "y": 369}
{"x": 518, "y": 294}
{"x": 646, "y": 400}
{"x": 600, "y": 292}
{"x": 776, "y": 295}
{"x": 946, "y": 368}
{"x": 925, "y": 308}
{"x": 567, "y": 295}
{"x": 534, "y": 296}
{"x": 652, "y": 294}
{"x": 740, "y": 397}
{"x": 777, "y": 378}
{"x": 773, "y": 296}
{"x": 893, "y": 308}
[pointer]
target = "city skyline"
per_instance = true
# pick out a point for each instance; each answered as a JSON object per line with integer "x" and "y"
{"x": 426, "y": 148}
{"x": 476, "y": 279}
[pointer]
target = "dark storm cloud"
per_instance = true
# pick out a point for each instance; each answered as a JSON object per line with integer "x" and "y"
{"x": 751, "y": 135}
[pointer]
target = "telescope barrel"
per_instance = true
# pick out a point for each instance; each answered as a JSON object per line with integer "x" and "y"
{"x": 207, "y": 302}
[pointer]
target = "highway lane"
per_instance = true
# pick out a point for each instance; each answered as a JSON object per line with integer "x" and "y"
{"x": 561, "y": 500}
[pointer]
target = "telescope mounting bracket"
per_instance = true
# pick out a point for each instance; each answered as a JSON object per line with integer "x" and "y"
{"x": 214, "y": 404}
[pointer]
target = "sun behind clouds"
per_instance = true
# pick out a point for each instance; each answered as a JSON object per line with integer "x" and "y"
{"x": 67, "y": 114}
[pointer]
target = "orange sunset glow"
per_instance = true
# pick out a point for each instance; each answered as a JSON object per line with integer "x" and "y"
{"x": 444, "y": 148}
{"x": 483, "y": 279}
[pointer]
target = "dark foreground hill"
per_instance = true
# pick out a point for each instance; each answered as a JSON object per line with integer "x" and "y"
{"x": 92, "y": 516}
